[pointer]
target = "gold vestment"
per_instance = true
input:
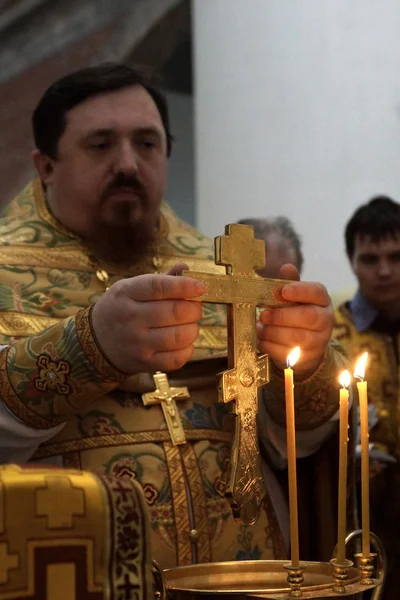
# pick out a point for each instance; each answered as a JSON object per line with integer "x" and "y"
{"x": 54, "y": 373}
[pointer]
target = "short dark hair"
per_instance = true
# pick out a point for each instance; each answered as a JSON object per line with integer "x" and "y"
{"x": 48, "y": 119}
{"x": 283, "y": 227}
{"x": 377, "y": 219}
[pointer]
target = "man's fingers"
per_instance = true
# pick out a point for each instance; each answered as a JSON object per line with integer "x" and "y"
{"x": 169, "y": 313}
{"x": 178, "y": 268}
{"x": 276, "y": 351}
{"x": 145, "y": 288}
{"x": 289, "y": 271}
{"x": 306, "y": 292}
{"x": 173, "y": 338}
{"x": 170, "y": 361}
{"x": 279, "y": 354}
{"x": 308, "y": 317}
{"x": 289, "y": 338}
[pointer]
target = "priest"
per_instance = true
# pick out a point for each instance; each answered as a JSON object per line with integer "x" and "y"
{"x": 93, "y": 316}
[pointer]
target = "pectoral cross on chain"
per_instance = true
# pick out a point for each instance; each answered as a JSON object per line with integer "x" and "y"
{"x": 166, "y": 396}
{"x": 242, "y": 290}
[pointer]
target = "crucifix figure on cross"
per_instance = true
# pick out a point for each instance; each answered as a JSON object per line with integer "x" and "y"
{"x": 167, "y": 397}
{"x": 242, "y": 290}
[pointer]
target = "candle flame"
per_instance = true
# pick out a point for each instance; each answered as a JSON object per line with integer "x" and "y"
{"x": 344, "y": 379}
{"x": 293, "y": 357}
{"x": 359, "y": 372}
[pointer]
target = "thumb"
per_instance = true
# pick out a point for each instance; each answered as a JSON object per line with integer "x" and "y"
{"x": 289, "y": 271}
{"x": 178, "y": 268}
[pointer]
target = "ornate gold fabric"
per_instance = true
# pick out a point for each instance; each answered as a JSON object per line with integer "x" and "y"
{"x": 92, "y": 351}
{"x": 384, "y": 394}
{"x": 46, "y": 274}
{"x": 55, "y": 372}
{"x": 53, "y": 375}
{"x": 58, "y": 375}
{"x": 92, "y": 545}
{"x": 383, "y": 388}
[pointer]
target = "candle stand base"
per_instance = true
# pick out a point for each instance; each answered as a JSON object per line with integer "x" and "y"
{"x": 295, "y": 579}
{"x": 340, "y": 574}
{"x": 241, "y": 580}
{"x": 275, "y": 579}
{"x": 366, "y": 565}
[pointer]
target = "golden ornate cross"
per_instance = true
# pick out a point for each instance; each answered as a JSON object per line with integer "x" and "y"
{"x": 59, "y": 515}
{"x": 243, "y": 291}
{"x": 166, "y": 396}
{"x": 8, "y": 561}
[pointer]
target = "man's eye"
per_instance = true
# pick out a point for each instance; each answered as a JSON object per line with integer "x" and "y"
{"x": 368, "y": 260}
{"x": 147, "y": 144}
{"x": 101, "y": 146}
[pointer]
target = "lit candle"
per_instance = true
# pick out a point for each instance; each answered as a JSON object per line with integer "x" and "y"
{"x": 291, "y": 452}
{"x": 343, "y": 437}
{"x": 363, "y": 404}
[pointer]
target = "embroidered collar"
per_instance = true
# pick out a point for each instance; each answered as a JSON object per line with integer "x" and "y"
{"x": 44, "y": 211}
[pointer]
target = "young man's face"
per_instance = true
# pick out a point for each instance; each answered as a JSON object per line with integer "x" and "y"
{"x": 377, "y": 268}
{"x": 109, "y": 177}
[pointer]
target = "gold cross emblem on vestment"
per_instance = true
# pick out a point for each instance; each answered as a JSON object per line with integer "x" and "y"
{"x": 242, "y": 290}
{"x": 60, "y": 515}
{"x": 167, "y": 396}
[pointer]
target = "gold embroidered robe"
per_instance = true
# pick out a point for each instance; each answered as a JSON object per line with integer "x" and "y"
{"x": 94, "y": 545}
{"x": 384, "y": 394}
{"x": 383, "y": 377}
{"x": 55, "y": 373}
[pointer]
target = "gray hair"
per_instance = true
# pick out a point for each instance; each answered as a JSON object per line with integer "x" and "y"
{"x": 283, "y": 228}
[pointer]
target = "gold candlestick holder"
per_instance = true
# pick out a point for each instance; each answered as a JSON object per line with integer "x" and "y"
{"x": 276, "y": 580}
{"x": 340, "y": 574}
{"x": 372, "y": 568}
{"x": 295, "y": 578}
{"x": 366, "y": 565}
{"x": 239, "y": 580}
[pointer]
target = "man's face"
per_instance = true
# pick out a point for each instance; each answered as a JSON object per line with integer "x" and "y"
{"x": 377, "y": 268}
{"x": 109, "y": 177}
{"x": 278, "y": 252}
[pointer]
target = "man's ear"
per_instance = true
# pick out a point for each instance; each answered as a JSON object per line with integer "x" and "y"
{"x": 44, "y": 166}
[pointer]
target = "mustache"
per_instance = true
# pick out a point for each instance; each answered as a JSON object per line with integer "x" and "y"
{"x": 122, "y": 180}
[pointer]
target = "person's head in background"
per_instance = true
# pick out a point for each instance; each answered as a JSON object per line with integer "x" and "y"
{"x": 282, "y": 244}
{"x": 372, "y": 238}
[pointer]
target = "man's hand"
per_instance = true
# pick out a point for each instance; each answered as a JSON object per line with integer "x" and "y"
{"x": 308, "y": 324}
{"x": 148, "y": 323}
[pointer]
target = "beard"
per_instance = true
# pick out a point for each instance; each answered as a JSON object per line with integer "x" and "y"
{"x": 124, "y": 244}
{"x": 123, "y": 232}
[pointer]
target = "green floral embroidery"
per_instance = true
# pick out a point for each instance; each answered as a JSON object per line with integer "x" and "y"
{"x": 247, "y": 553}
{"x": 180, "y": 245}
{"x": 75, "y": 280}
{"x": 26, "y": 297}
{"x": 96, "y": 422}
{"x": 150, "y": 493}
{"x": 123, "y": 465}
{"x": 219, "y": 454}
{"x": 213, "y": 314}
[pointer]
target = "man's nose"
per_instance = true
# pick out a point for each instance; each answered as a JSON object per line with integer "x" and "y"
{"x": 126, "y": 160}
{"x": 384, "y": 268}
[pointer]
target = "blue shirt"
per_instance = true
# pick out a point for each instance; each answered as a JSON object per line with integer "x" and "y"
{"x": 363, "y": 313}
